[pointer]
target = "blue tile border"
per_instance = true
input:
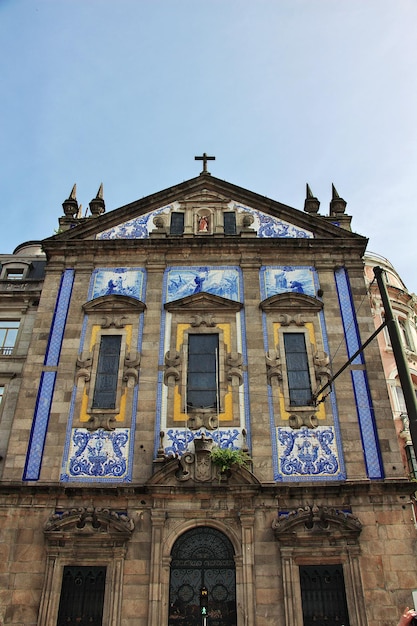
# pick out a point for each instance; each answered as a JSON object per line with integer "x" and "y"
{"x": 39, "y": 426}
{"x": 47, "y": 382}
{"x": 364, "y": 405}
{"x": 56, "y": 335}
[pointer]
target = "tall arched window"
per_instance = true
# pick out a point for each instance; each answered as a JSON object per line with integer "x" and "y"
{"x": 202, "y": 558}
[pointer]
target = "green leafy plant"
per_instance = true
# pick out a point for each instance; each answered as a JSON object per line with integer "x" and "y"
{"x": 224, "y": 458}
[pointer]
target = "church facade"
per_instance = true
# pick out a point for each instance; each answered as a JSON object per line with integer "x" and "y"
{"x": 177, "y": 450}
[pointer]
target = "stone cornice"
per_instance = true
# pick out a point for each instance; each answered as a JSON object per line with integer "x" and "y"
{"x": 376, "y": 489}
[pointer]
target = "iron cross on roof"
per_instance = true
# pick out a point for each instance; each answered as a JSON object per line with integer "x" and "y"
{"x": 204, "y": 158}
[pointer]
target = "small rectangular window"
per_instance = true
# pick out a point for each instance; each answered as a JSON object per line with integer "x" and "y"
{"x": 8, "y": 335}
{"x": 229, "y": 223}
{"x": 82, "y": 596}
{"x": 177, "y": 224}
{"x": 14, "y": 274}
{"x": 105, "y": 389}
{"x": 1, "y": 393}
{"x": 405, "y": 333}
{"x": 297, "y": 369}
{"x": 202, "y": 371}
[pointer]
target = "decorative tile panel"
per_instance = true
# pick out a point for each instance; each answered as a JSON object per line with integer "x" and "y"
{"x": 364, "y": 406}
{"x": 308, "y": 453}
{"x": 137, "y": 228}
{"x": 288, "y": 278}
{"x": 178, "y": 440}
{"x": 121, "y": 281}
{"x": 267, "y": 226}
{"x": 100, "y": 454}
{"x": 185, "y": 281}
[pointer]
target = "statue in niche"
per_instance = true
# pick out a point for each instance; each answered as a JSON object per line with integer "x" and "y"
{"x": 203, "y": 224}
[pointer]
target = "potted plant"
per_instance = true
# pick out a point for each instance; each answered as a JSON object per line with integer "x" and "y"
{"x": 225, "y": 458}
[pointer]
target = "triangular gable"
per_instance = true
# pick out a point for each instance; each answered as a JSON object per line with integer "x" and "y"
{"x": 291, "y": 302}
{"x": 113, "y": 304}
{"x": 139, "y": 227}
{"x": 203, "y": 302}
{"x": 268, "y": 218}
{"x": 263, "y": 224}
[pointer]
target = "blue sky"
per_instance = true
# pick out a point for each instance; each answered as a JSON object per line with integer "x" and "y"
{"x": 282, "y": 92}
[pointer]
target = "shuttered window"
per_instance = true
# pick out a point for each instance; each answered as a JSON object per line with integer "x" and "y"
{"x": 105, "y": 390}
{"x": 229, "y": 222}
{"x": 177, "y": 224}
{"x": 202, "y": 371}
{"x": 297, "y": 369}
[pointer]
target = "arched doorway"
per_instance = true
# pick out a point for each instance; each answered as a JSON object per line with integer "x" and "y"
{"x": 202, "y": 557}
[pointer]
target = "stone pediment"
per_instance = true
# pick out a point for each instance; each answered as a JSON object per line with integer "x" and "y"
{"x": 203, "y": 302}
{"x": 292, "y": 302}
{"x": 206, "y": 196}
{"x": 307, "y": 524}
{"x": 89, "y": 521}
{"x": 113, "y": 304}
{"x": 268, "y": 218}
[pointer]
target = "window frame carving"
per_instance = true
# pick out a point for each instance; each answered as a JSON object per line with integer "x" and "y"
{"x": 299, "y": 330}
{"x": 21, "y": 266}
{"x": 85, "y": 536}
{"x": 295, "y": 312}
{"x": 208, "y": 415}
{"x": 107, "y": 315}
{"x": 202, "y": 312}
{"x": 94, "y": 412}
{"x": 319, "y": 535}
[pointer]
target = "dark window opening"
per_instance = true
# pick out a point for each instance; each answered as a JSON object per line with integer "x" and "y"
{"x": 177, "y": 224}
{"x": 105, "y": 389}
{"x": 229, "y": 223}
{"x": 82, "y": 596}
{"x": 297, "y": 369}
{"x": 323, "y": 595}
{"x": 202, "y": 371}
{"x": 14, "y": 274}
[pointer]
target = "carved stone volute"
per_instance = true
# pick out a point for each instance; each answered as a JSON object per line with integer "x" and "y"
{"x": 172, "y": 371}
{"x": 273, "y": 367}
{"x": 84, "y": 364}
{"x": 131, "y": 369}
{"x": 304, "y": 524}
{"x": 198, "y": 466}
{"x": 64, "y": 526}
{"x": 234, "y": 365}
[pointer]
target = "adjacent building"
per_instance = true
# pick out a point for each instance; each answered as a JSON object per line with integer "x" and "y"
{"x": 404, "y": 307}
{"x": 176, "y": 447}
